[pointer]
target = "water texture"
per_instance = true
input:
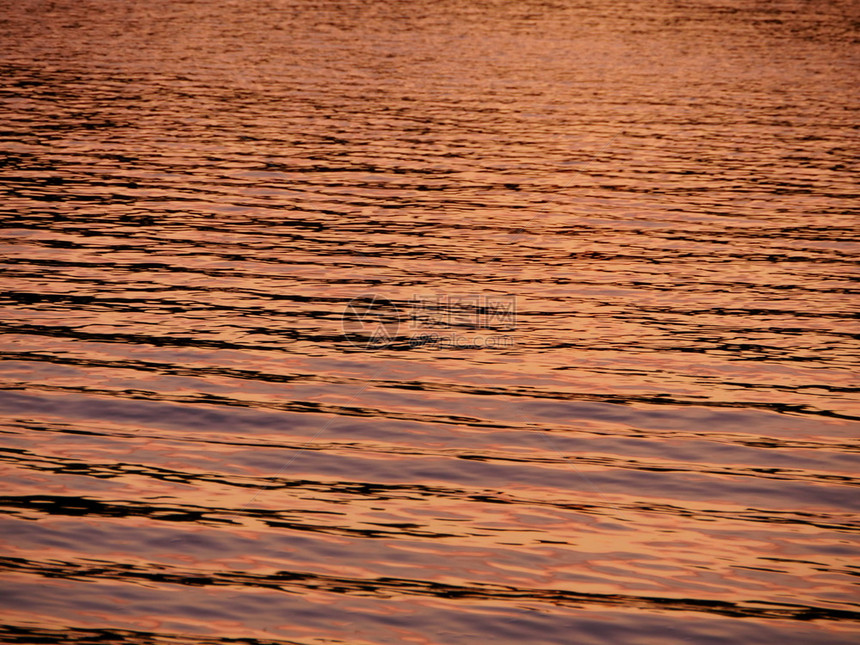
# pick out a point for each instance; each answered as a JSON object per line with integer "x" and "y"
{"x": 436, "y": 322}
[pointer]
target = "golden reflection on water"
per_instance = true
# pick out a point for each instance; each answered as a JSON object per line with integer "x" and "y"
{"x": 379, "y": 322}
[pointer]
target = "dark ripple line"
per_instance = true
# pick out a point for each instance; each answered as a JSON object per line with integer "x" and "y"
{"x": 420, "y": 249}
{"x": 75, "y": 506}
{"x": 780, "y": 474}
{"x": 175, "y": 369}
{"x": 386, "y": 587}
{"x": 133, "y": 267}
{"x": 99, "y": 636}
{"x": 168, "y": 368}
{"x": 378, "y": 491}
{"x": 750, "y": 441}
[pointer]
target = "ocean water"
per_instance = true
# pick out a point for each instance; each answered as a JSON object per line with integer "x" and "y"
{"x": 435, "y": 322}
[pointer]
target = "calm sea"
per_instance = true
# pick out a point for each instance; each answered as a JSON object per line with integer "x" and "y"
{"x": 439, "y": 322}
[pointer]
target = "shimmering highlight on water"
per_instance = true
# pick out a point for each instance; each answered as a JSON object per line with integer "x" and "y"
{"x": 202, "y": 438}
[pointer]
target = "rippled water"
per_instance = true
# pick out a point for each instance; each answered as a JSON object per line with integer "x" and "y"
{"x": 429, "y": 322}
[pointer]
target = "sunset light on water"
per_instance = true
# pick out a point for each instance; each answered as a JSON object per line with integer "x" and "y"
{"x": 437, "y": 322}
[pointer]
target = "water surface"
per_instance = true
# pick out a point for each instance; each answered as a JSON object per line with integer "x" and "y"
{"x": 429, "y": 322}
